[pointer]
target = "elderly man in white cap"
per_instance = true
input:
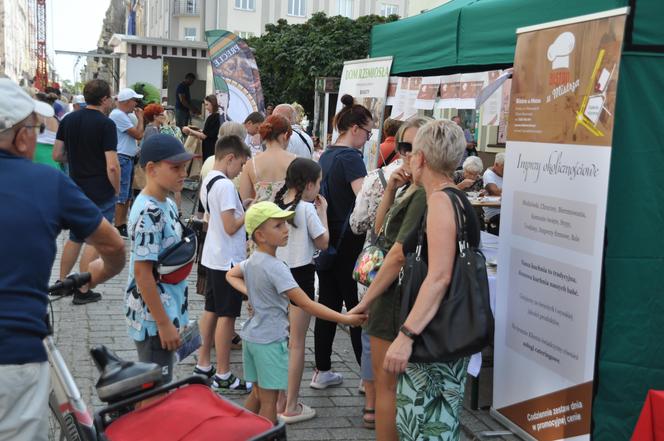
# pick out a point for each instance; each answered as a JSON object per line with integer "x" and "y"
{"x": 38, "y": 201}
{"x": 129, "y": 133}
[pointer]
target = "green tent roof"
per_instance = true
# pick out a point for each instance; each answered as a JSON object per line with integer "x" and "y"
{"x": 470, "y": 32}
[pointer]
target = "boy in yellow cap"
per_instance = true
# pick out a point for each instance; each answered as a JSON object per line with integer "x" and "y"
{"x": 269, "y": 284}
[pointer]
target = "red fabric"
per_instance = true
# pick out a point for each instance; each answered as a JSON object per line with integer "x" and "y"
{"x": 191, "y": 413}
{"x": 386, "y": 149}
{"x": 650, "y": 426}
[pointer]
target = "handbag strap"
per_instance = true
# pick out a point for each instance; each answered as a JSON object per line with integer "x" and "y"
{"x": 381, "y": 176}
{"x": 208, "y": 187}
{"x": 463, "y": 218}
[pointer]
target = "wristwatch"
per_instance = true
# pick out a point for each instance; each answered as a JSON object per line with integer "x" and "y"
{"x": 407, "y": 332}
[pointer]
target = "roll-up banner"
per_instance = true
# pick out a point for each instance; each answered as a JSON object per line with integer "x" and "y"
{"x": 237, "y": 83}
{"x": 366, "y": 80}
{"x": 552, "y": 224}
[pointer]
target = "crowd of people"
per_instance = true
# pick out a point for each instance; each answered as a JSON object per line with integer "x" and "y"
{"x": 285, "y": 226}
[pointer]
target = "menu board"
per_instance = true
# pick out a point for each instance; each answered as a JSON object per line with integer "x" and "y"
{"x": 560, "y": 128}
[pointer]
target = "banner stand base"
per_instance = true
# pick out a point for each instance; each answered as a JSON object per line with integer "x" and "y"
{"x": 513, "y": 428}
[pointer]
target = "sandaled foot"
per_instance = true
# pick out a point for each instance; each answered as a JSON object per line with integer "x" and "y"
{"x": 369, "y": 418}
{"x": 306, "y": 413}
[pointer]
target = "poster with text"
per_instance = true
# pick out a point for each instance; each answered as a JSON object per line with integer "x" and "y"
{"x": 427, "y": 93}
{"x": 552, "y": 224}
{"x": 237, "y": 83}
{"x": 367, "y": 80}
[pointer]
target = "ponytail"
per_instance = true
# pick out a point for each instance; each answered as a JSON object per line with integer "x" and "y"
{"x": 351, "y": 115}
{"x": 300, "y": 172}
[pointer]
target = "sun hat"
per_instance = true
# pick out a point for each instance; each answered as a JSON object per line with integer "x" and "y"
{"x": 262, "y": 211}
{"x": 16, "y": 105}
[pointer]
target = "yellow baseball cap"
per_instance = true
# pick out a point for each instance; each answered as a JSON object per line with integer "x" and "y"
{"x": 262, "y": 211}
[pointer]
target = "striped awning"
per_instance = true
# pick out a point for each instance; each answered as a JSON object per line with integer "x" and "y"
{"x": 137, "y": 47}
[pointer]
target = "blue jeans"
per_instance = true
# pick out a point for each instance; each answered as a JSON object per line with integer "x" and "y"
{"x": 107, "y": 210}
{"x": 126, "y": 173}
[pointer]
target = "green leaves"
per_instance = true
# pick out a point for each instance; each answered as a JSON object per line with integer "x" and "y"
{"x": 290, "y": 57}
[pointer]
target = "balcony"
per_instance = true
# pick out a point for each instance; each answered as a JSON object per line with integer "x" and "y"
{"x": 186, "y": 8}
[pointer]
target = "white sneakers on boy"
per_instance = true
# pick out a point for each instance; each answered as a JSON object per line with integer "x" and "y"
{"x": 325, "y": 379}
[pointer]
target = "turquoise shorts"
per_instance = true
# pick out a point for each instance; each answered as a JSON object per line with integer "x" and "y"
{"x": 266, "y": 365}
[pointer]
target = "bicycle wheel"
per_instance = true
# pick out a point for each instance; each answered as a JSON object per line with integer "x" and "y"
{"x": 61, "y": 427}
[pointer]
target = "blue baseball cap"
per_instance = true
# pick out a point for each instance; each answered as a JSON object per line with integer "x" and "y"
{"x": 163, "y": 148}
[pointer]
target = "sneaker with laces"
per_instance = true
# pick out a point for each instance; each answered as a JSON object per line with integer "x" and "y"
{"x": 82, "y": 298}
{"x": 207, "y": 374}
{"x": 232, "y": 385}
{"x": 325, "y": 379}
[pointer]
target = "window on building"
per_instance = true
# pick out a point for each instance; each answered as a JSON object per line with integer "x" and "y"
{"x": 190, "y": 34}
{"x": 345, "y": 8}
{"x": 387, "y": 9}
{"x": 244, "y": 34}
{"x": 191, "y": 7}
{"x": 247, "y": 5}
{"x": 297, "y": 8}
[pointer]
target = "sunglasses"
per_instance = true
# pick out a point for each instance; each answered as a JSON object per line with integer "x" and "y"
{"x": 404, "y": 147}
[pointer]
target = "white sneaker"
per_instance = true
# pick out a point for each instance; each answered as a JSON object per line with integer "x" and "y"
{"x": 360, "y": 388}
{"x": 325, "y": 379}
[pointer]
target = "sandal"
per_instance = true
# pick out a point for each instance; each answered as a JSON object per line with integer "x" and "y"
{"x": 369, "y": 423}
{"x": 236, "y": 342}
{"x": 307, "y": 413}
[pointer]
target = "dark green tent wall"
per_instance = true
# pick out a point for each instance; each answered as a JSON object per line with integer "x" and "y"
{"x": 464, "y": 35}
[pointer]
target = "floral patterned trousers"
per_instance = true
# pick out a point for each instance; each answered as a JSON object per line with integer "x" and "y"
{"x": 429, "y": 399}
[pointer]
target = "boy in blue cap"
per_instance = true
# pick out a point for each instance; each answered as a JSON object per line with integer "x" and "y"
{"x": 156, "y": 311}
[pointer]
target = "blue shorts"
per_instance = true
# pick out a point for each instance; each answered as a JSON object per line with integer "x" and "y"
{"x": 126, "y": 173}
{"x": 107, "y": 210}
{"x": 266, "y": 365}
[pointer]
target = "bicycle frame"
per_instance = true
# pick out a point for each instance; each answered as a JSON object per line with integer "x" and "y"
{"x": 65, "y": 399}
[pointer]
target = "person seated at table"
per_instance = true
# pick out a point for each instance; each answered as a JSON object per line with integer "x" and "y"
{"x": 493, "y": 184}
{"x": 469, "y": 178}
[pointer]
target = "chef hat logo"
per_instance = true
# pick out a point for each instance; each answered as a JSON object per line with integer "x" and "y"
{"x": 560, "y": 50}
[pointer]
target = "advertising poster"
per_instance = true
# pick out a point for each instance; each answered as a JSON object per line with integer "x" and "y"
{"x": 392, "y": 91}
{"x": 491, "y": 107}
{"x": 366, "y": 80}
{"x": 237, "y": 83}
{"x": 449, "y": 92}
{"x": 470, "y": 86}
{"x": 427, "y": 93}
{"x": 552, "y": 224}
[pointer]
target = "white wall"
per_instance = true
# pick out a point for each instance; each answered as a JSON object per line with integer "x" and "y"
{"x": 145, "y": 70}
{"x": 244, "y": 21}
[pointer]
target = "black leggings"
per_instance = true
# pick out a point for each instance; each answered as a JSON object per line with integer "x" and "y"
{"x": 337, "y": 287}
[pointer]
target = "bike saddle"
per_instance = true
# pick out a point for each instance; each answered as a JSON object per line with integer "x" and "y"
{"x": 122, "y": 379}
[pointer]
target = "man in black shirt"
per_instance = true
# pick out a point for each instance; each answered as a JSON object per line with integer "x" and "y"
{"x": 183, "y": 109}
{"x": 91, "y": 142}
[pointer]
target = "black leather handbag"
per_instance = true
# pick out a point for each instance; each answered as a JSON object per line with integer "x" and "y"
{"x": 463, "y": 324}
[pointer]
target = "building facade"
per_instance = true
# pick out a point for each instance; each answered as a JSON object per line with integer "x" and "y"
{"x": 418, "y": 6}
{"x": 181, "y": 19}
{"x": 18, "y": 40}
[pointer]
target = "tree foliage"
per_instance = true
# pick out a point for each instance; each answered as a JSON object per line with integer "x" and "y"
{"x": 290, "y": 57}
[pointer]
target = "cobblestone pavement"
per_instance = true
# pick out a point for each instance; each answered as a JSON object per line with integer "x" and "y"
{"x": 339, "y": 409}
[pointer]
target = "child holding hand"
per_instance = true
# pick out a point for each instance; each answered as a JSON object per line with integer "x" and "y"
{"x": 269, "y": 284}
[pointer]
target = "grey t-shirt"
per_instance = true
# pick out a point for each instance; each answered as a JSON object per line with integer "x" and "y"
{"x": 268, "y": 279}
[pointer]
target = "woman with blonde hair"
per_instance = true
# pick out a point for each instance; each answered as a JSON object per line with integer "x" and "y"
{"x": 425, "y": 405}
{"x": 401, "y": 208}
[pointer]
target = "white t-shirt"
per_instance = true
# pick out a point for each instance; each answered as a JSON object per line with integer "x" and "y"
{"x": 221, "y": 251}
{"x": 300, "y": 249}
{"x": 126, "y": 144}
{"x": 302, "y": 148}
{"x": 490, "y": 177}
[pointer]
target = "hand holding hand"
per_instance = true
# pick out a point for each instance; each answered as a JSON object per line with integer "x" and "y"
{"x": 360, "y": 308}
{"x": 354, "y": 319}
{"x": 169, "y": 336}
{"x": 398, "y": 354}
